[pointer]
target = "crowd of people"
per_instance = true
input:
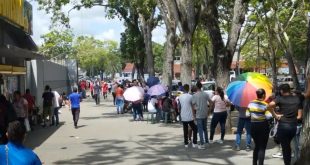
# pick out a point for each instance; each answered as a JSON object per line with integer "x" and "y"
{"x": 285, "y": 109}
{"x": 193, "y": 107}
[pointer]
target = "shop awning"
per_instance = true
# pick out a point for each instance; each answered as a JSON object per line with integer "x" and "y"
{"x": 11, "y": 51}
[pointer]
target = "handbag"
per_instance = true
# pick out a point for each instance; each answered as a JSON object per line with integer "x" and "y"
{"x": 27, "y": 125}
{"x": 274, "y": 129}
{"x": 150, "y": 107}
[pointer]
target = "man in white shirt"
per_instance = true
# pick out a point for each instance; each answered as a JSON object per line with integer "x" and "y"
{"x": 56, "y": 107}
{"x": 187, "y": 116}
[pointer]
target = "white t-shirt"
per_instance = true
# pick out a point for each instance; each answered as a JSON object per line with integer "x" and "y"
{"x": 56, "y": 99}
{"x": 186, "y": 107}
{"x": 219, "y": 104}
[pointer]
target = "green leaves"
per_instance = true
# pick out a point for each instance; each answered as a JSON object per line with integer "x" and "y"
{"x": 58, "y": 44}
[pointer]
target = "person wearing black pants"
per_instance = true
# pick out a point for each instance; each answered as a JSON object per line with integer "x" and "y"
{"x": 260, "y": 135}
{"x": 286, "y": 133}
{"x": 221, "y": 102}
{"x": 219, "y": 117}
{"x": 290, "y": 110}
{"x": 259, "y": 126}
{"x": 185, "y": 131}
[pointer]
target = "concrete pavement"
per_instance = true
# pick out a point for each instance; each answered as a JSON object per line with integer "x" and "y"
{"x": 103, "y": 137}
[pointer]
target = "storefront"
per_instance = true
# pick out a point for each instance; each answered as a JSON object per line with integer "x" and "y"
{"x": 16, "y": 45}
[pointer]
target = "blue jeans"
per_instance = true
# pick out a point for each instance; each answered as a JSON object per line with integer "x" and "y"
{"x": 244, "y": 123}
{"x": 296, "y": 143}
{"x": 119, "y": 105}
{"x": 202, "y": 130}
{"x": 137, "y": 111}
{"x": 55, "y": 116}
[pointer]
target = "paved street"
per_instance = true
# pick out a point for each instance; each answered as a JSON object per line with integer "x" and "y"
{"x": 103, "y": 137}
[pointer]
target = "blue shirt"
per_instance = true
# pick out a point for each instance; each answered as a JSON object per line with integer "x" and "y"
{"x": 18, "y": 154}
{"x": 75, "y": 100}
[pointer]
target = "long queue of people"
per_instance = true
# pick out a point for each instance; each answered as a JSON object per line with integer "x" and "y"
{"x": 285, "y": 109}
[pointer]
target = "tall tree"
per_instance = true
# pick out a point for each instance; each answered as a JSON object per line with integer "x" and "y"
{"x": 305, "y": 150}
{"x": 57, "y": 44}
{"x": 148, "y": 21}
{"x": 167, "y": 11}
{"x": 223, "y": 53}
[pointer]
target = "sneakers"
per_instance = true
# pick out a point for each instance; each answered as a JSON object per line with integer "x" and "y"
{"x": 248, "y": 148}
{"x": 237, "y": 148}
{"x": 201, "y": 147}
{"x": 220, "y": 141}
{"x": 194, "y": 145}
{"x": 211, "y": 141}
{"x": 186, "y": 146}
{"x": 277, "y": 155}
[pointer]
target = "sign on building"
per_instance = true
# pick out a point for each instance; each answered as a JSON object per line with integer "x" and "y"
{"x": 17, "y": 12}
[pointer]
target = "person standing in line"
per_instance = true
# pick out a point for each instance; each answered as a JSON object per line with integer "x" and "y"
{"x": 259, "y": 126}
{"x": 187, "y": 116}
{"x": 20, "y": 106}
{"x": 31, "y": 105}
{"x": 220, "y": 102}
{"x": 75, "y": 100}
{"x": 243, "y": 122}
{"x": 200, "y": 102}
{"x": 47, "y": 105}
{"x": 290, "y": 111}
{"x": 56, "y": 107}
{"x": 14, "y": 152}
{"x": 119, "y": 99}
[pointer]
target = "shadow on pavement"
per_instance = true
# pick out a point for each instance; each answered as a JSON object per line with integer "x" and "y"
{"x": 154, "y": 149}
{"x": 36, "y": 137}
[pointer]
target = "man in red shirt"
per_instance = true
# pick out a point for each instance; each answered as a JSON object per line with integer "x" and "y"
{"x": 31, "y": 105}
{"x": 83, "y": 88}
{"x": 105, "y": 90}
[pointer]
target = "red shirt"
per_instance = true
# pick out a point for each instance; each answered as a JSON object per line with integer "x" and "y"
{"x": 30, "y": 101}
{"x": 119, "y": 92}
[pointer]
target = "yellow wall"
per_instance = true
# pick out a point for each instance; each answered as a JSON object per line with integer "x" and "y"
{"x": 13, "y": 11}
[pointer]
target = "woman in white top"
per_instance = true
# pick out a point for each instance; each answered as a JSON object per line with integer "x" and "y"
{"x": 220, "y": 102}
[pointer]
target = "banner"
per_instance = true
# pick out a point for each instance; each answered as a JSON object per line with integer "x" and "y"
{"x": 17, "y": 12}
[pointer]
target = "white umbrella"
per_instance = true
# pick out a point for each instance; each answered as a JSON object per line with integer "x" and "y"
{"x": 134, "y": 93}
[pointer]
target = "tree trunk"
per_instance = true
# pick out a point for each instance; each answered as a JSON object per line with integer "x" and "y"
{"x": 166, "y": 10}
{"x": 292, "y": 68}
{"x": 223, "y": 55}
{"x": 168, "y": 61}
{"x": 305, "y": 150}
{"x": 186, "y": 59}
{"x": 146, "y": 27}
{"x": 274, "y": 70}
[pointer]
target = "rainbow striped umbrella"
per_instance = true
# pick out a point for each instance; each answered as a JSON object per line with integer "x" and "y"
{"x": 243, "y": 90}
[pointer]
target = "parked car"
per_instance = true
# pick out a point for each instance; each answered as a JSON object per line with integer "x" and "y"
{"x": 208, "y": 87}
{"x": 286, "y": 80}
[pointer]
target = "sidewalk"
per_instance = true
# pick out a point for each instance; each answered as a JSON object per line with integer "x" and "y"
{"x": 103, "y": 137}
